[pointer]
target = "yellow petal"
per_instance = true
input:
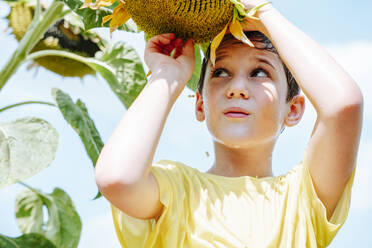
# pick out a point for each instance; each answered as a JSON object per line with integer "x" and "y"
{"x": 237, "y": 30}
{"x": 216, "y": 42}
{"x": 98, "y": 4}
{"x": 104, "y": 3}
{"x": 119, "y": 17}
{"x": 106, "y": 19}
{"x": 149, "y": 73}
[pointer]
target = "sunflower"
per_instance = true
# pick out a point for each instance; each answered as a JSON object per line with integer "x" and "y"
{"x": 201, "y": 20}
{"x": 62, "y": 35}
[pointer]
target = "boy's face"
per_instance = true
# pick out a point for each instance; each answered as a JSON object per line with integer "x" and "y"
{"x": 248, "y": 78}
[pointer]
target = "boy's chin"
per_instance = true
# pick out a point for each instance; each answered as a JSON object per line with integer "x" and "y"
{"x": 236, "y": 141}
{"x": 242, "y": 141}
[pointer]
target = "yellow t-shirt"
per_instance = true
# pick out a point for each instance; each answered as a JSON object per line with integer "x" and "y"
{"x": 206, "y": 210}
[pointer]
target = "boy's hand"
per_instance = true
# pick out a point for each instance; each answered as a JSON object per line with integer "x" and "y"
{"x": 178, "y": 68}
{"x": 250, "y": 24}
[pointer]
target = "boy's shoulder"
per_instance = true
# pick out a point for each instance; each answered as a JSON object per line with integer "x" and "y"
{"x": 167, "y": 164}
{"x": 173, "y": 168}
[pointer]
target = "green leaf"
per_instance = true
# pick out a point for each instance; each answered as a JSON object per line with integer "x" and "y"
{"x": 128, "y": 71}
{"x": 63, "y": 227}
{"x": 29, "y": 212}
{"x": 91, "y": 18}
{"x": 27, "y": 146}
{"x": 204, "y": 48}
{"x": 119, "y": 64}
{"x": 25, "y": 241}
{"x": 238, "y": 6}
{"x": 193, "y": 82}
{"x": 76, "y": 114}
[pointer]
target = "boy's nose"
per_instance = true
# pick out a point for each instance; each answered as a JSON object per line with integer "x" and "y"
{"x": 237, "y": 92}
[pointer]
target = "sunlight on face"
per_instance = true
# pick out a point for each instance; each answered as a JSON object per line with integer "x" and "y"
{"x": 270, "y": 91}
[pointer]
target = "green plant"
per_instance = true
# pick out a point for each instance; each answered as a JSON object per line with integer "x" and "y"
{"x": 34, "y": 141}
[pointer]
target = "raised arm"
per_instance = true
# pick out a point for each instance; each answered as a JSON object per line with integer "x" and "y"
{"x": 123, "y": 168}
{"x": 332, "y": 149}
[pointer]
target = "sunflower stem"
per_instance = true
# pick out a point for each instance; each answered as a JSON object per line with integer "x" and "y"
{"x": 36, "y": 29}
{"x": 38, "y": 10}
{"x": 24, "y": 103}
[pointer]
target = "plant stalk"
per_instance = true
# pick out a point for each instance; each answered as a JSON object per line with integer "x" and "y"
{"x": 36, "y": 30}
{"x": 28, "y": 102}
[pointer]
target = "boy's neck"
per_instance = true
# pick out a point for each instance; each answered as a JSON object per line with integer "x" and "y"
{"x": 254, "y": 161}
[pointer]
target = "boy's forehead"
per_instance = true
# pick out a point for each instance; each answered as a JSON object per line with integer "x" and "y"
{"x": 231, "y": 43}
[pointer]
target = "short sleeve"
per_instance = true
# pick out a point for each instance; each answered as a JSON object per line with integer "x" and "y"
{"x": 133, "y": 232}
{"x": 324, "y": 230}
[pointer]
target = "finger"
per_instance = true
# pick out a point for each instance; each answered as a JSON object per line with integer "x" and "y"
{"x": 163, "y": 40}
{"x": 174, "y": 43}
{"x": 160, "y": 47}
{"x": 156, "y": 43}
{"x": 156, "y": 38}
{"x": 178, "y": 52}
{"x": 188, "y": 51}
{"x": 188, "y": 48}
{"x": 177, "y": 42}
{"x": 167, "y": 49}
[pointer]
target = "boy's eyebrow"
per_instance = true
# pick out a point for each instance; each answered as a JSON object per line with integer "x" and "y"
{"x": 264, "y": 60}
{"x": 222, "y": 56}
{"x": 218, "y": 57}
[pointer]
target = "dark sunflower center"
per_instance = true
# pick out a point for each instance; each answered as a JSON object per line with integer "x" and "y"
{"x": 71, "y": 41}
{"x": 196, "y": 6}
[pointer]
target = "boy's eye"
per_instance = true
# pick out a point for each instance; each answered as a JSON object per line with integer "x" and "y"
{"x": 217, "y": 71}
{"x": 260, "y": 73}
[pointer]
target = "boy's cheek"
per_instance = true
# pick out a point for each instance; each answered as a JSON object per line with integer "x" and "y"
{"x": 271, "y": 91}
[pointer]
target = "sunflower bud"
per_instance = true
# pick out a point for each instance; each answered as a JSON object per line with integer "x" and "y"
{"x": 20, "y": 17}
{"x": 62, "y": 35}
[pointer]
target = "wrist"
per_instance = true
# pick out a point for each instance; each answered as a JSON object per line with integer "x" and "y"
{"x": 168, "y": 72}
{"x": 264, "y": 10}
{"x": 267, "y": 7}
{"x": 168, "y": 83}
{"x": 254, "y": 20}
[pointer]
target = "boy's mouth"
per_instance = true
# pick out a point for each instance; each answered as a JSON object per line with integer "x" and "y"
{"x": 235, "y": 111}
{"x": 236, "y": 114}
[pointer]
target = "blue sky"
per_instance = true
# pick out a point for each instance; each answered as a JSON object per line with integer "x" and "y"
{"x": 342, "y": 27}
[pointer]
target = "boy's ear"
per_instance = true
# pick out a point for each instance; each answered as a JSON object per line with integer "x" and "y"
{"x": 199, "y": 107}
{"x": 296, "y": 110}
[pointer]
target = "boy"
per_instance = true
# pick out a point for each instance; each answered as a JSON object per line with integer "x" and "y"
{"x": 247, "y": 99}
